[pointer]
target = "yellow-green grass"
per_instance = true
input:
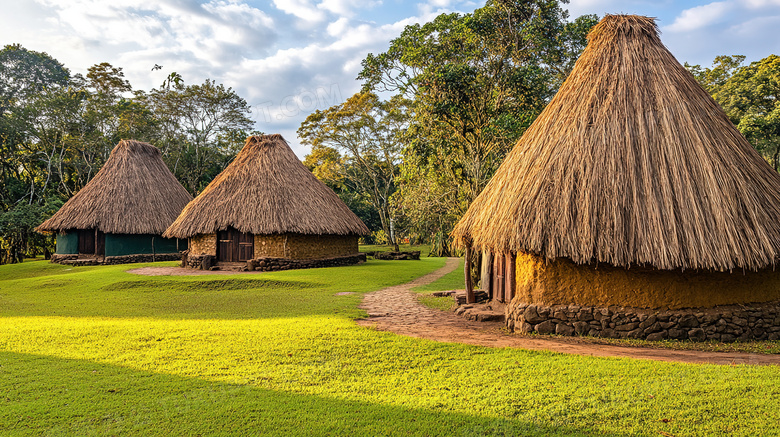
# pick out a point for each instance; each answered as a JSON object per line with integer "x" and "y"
{"x": 99, "y": 351}
{"x": 450, "y": 281}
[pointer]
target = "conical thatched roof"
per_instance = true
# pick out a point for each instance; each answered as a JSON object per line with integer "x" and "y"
{"x": 134, "y": 193}
{"x": 632, "y": 162}
{"x": 267, "y": 190}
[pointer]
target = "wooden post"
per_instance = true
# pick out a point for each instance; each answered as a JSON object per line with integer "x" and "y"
{"x": 486, "y": 276}
{"x": 467, "y": 272}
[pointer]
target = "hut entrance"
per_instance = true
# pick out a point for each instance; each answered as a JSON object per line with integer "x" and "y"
{"x": 92, "y": 241}
{"x": 498, "y": 276}
{"x": 235, "y": 246}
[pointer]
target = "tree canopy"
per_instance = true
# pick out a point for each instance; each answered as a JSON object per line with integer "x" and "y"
{"x": 57, "y": 130}
{"x": 475, "y": 82}
{"x": 750, "y": 95}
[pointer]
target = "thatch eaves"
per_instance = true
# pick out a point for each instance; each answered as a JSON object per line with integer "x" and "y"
{"x": 267, "y": 190}
{"x": 133, "y": 193}
{"x": 632, "y": 163}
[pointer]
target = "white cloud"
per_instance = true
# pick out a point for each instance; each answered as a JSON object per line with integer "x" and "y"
{"x": 302, "y": 9}
{"x": 701, "y": 16}
{"x": 338, "y": 27}
{"x": 346, "y": 8}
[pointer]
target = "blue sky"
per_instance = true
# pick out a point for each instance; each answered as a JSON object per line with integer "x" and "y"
{"x": 290, "y": 57}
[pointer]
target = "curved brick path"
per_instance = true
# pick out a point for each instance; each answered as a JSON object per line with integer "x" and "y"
{"x": 397, "y": 310}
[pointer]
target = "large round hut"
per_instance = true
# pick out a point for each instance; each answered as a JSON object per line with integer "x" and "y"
{"x": 266, "y": 209}
{"x": 632, "y": 206}
{"x": 120, "y": 215}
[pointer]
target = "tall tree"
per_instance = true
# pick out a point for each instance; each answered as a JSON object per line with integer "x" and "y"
{"x": 367, "y": 131}
{"x": 201, "y": 128}
{"x": 24, "y": 74}
{"x": 750, "y": 95}
{"x": 477, "y": 81}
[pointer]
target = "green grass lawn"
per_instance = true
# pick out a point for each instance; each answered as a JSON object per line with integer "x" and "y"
{"x": 95, "y": 350}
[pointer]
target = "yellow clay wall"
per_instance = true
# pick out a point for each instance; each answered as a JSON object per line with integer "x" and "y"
{"x": 561, "y": 282}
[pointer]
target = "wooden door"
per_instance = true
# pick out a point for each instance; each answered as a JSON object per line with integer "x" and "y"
{"x": 498, "y": 277}
{"x": 246, "y": 246}
{"x": 509, "y": 277}
{"x": 486, "y": 273}
{"x": 100, "y": 243}
{"x": 225, "y": 245}
{"x": 234, "y": 246}
{"x": 87, "y": 241}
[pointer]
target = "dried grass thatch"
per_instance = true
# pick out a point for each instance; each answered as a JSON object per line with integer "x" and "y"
{"x": 632, "y": 162}
{"x": 267, "y": 190}
{"x": 134, "y": 193}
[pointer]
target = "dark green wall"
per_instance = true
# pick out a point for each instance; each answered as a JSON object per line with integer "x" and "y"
{"x": 129, "y": 244}
{"x": 67, "y": 243}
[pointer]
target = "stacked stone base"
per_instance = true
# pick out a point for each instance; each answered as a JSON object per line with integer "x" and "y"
{"x": 74, "y": 260}
{"x": 415, "y": 254}
{"x": 59, "y": 258}
{"x": 200, "y": 262}
{"x": 723, "y": 323}
{"x": 270, "y": 264}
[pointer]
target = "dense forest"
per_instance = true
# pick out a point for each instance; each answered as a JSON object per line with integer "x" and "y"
{"x": 437, "y": 113}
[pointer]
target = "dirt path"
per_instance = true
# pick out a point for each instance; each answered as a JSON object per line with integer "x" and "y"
{"x": 397, "y": 310}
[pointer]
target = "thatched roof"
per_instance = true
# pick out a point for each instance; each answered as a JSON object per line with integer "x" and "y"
{"x": 267, "y": 190}
{"x": 632, "y": 162}
{"x": 134, "y": 193}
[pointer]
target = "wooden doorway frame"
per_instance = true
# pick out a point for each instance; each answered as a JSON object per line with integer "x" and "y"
{"x": 235, "y": 246}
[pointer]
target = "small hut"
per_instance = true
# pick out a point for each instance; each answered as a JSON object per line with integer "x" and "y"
{"x": 632, "y": 197}
{"x": 120, "y": 214}
{"x": 266, "y": 209}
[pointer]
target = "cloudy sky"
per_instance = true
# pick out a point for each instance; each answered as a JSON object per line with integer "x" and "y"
{"x": 290, "y": 57}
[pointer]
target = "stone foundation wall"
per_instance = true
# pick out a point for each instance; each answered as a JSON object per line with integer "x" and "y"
{"x": 198, "y": 261}
{"x": 726, "y": 323}
{"x": 74, "y": 260}
{"x": 268, "y": 264}
{"x": 58, "y": 257}
{"x": 145, "y": 258}
{"x": 204, "y": 244}
{"x": 395, "y": 255}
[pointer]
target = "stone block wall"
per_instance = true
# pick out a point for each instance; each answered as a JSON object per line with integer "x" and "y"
{"x": 74, "y": 260}
{"x": 268, "y": 264}
{"x": 145, "y": 258}
{"x": 204, "y": 244}
{"x": 57, "y": 258}
{"x": 198, "y": 261}
{"x": 726, "y": 323}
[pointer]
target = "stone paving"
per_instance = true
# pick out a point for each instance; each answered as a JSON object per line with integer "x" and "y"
{"x": 396, "y": 309}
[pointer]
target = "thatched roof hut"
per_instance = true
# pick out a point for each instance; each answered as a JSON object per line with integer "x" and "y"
{"x": 265, "y": 192}
{"x": 631, "y": 165}
{"x": 134, "y": 193}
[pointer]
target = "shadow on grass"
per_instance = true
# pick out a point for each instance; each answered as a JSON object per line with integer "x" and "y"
{"x": 44, "y": 395}
{"x": 108, "y": 291}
